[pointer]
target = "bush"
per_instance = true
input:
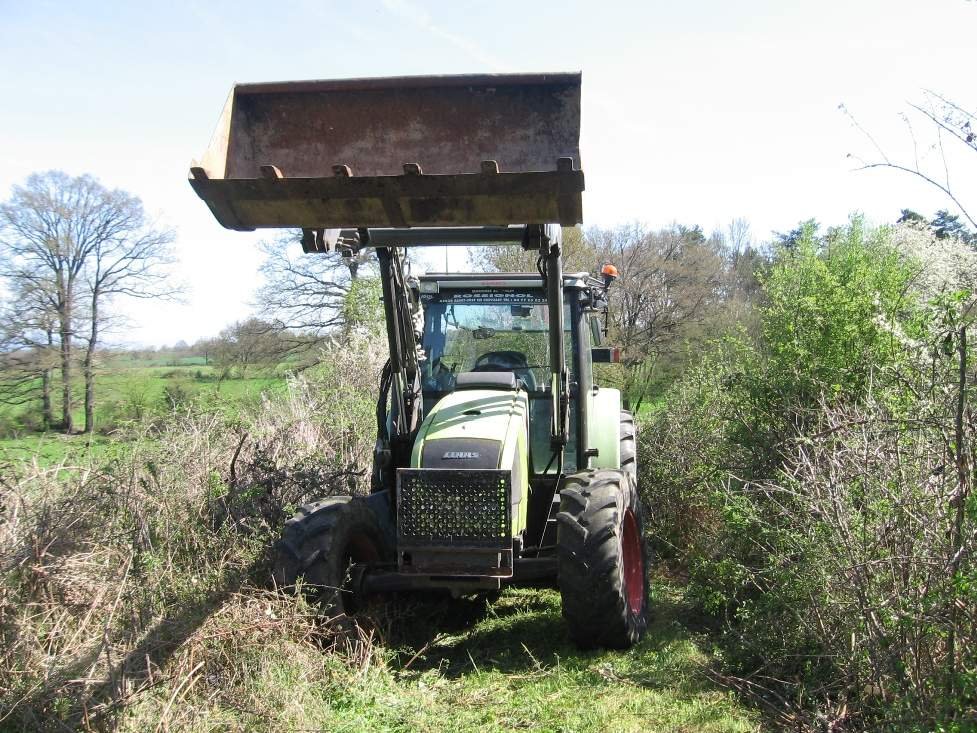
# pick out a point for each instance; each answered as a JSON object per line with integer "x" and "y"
{"x": 176, "y": 395}
{"x": 810, "y": 485}
{"x": 838, "y": 308}
{"x": 687, "y": 445}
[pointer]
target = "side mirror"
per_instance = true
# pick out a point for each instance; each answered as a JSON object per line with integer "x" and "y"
{"x": 606, "y": 355}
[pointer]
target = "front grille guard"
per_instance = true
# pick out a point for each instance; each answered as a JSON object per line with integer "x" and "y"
{"x": 454, "y": 509}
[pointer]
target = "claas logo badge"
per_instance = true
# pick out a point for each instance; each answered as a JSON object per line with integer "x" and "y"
{"x": 459, "y": 454}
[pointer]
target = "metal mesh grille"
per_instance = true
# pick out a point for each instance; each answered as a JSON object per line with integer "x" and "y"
{"x": 454, "y": 507}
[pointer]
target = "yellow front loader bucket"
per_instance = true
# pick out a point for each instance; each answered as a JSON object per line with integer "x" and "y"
{"x": 396, "y": 152}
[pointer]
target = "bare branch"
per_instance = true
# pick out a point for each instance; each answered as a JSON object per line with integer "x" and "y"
{"x": 946, "y": 117}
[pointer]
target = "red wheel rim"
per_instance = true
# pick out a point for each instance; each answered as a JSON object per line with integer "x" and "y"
{"x": 634, "y": 564}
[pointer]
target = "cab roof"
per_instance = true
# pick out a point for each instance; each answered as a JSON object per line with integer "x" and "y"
{"x": 461, "y": 280}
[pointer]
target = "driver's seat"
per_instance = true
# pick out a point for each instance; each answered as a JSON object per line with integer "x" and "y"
{"x": 507, "y": 361}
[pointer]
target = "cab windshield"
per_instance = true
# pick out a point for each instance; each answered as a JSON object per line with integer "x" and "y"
{"x": 486, "y": 330}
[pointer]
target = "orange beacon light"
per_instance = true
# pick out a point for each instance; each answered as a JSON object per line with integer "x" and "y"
{"x": 610, "y": 274}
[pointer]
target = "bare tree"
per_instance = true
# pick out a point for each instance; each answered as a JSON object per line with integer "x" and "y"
{"x": 668, "y": 281}
{"x": 129, "y": 261}
{"x": 303, "y": 294}
{"x": 952, "y": 128}
{"x": 738, "y": 235}
{"x": 741, "y": 260}
{"x": 27, "y": 349}
{"x": 246, "y": 344}
{"x": 80, "y": 244}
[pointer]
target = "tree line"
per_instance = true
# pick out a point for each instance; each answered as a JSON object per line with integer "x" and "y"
{"x": 69, "y": 247}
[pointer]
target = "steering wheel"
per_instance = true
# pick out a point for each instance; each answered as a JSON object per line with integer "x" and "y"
{"x": 507, "y": 361}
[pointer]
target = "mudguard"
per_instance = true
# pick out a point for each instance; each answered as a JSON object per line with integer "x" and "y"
{"x": 605, "y": 428}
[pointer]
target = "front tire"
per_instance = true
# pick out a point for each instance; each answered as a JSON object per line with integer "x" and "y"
{"x": 320, "y": 543}
{"x": 601, "y": 559}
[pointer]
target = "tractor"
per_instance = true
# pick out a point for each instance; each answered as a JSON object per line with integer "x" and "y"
{"x": 498, "y": 459}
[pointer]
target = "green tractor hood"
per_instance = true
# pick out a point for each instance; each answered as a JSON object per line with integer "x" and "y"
{"x": 479, "y": 429}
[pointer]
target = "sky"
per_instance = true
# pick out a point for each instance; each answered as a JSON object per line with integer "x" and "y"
{"x": 695, "y": 112}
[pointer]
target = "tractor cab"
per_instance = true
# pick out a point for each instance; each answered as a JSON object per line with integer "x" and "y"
{"x": 481, "y": 324}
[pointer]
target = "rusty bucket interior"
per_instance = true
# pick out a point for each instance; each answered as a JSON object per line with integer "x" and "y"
{"x": 396, "y": 152}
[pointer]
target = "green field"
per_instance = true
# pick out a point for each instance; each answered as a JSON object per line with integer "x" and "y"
{"x": 49, "y": 449}
{"x": 127, "y": 389}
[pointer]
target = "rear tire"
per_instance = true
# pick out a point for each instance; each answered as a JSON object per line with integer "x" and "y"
{"x": 629, "y": 445}
{"x": 601, "y": 559}
{"x": 320, "y": 543}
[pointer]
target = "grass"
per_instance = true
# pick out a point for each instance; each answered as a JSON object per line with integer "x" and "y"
{"x": 459, "y": 665}
{"x": 129, "y": 359}
{"x": 650, "y": 406}
{"x": 509, "y": 665}
{"x": 127, "y": 389}
{"x": 49, "y": 449}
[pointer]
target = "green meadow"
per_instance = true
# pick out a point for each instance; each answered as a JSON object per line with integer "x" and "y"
{"x": 129, "y": 389}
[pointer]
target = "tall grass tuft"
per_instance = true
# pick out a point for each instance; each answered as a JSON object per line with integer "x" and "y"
{"x": 128, "y": 581}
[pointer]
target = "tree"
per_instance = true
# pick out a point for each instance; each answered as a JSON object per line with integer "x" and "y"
{"x": 128, "y": 259}
{"x": 948, "y": 226}
{"x": 943, "y": 225}
{"x": 738, "y": 237}
{"x": 669, "y": 279}
{"x": 27, "y": 353}
{"x": 739, "y": 288}
{"x": 246, "y": 344}
{"x": 908, "y": 216}
{"x": 363, "y": 305}
{"x": 304, "y": 294}
{"x": 578, "y": 256}
{"x": 80, "y": 244}
{"x": 952, "y": 129}
{"x": 206, "y": 348}
{"x": 790, "y": 240}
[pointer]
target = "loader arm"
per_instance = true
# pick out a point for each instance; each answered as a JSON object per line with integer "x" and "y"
{"x": 403, "y": 368}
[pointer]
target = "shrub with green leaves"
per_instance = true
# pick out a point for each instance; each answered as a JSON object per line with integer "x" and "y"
{"x": 837, "y": 309}
{"x": 811, "y": 485}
